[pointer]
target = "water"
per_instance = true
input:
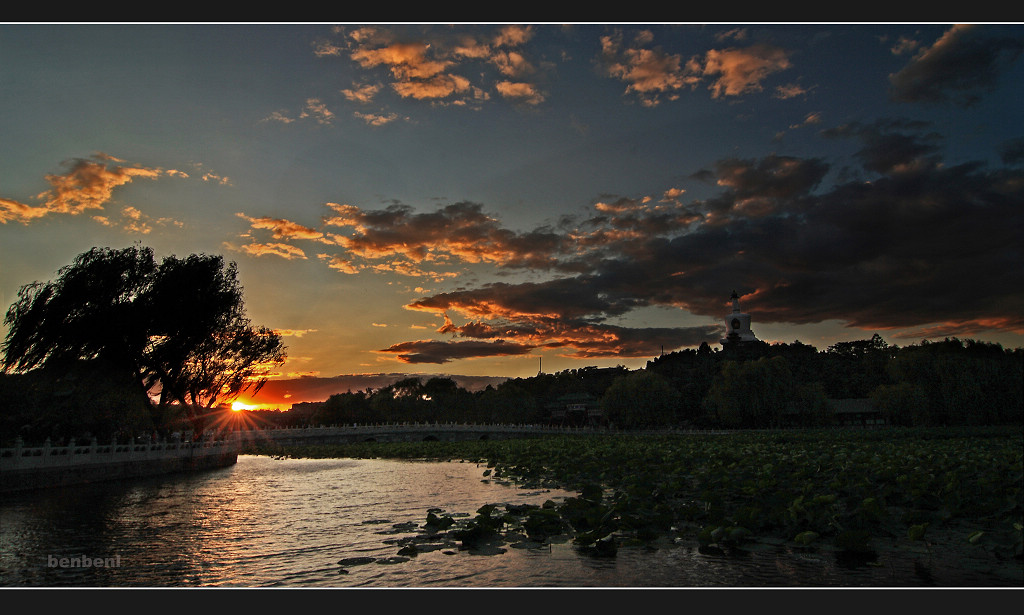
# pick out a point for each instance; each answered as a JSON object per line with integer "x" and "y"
{"x": 268, "y": 522}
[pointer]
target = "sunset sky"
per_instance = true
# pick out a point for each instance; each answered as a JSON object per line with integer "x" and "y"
{"x": 470, "y": 199}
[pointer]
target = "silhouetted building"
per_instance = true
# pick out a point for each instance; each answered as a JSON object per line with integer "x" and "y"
{"x": 575, "y": 409}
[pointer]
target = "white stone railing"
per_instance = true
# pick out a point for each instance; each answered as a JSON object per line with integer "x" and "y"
{"x": 21, "y": 457}
{"x": 360, "y": 429}
{"x": 47, "y": 456}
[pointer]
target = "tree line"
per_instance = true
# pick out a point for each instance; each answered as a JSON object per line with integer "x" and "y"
{"x": 759, "y": 385}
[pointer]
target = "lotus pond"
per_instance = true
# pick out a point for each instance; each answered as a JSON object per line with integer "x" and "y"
{"x": 951, "y": 493}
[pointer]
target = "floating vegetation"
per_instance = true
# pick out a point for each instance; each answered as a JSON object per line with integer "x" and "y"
{"x": 356, "y": 561}
{"x": 852, "y": 492}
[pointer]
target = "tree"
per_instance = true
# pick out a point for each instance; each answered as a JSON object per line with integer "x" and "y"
{"x": 82, "y": 401}
{"x": 88, "y": 313}
{"x": 752, "y": 393}
{"x": 177, "y": 329}
{"x": 640, "y": 399}
{"x": 903, "y": 403}
{"x": 854, "y": 369}
{"x": 963, "y": 382}
{"x": 510, "y": 402}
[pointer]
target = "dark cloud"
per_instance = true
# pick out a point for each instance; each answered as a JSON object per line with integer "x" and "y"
{"x": 558, "y": 299}
{"x": 899, "y": 240}
{"x": 461, "y": 230}
{"x": 891, "y": 145}
{"x": 431, "y": 351}
{"x": 1012, "y": 151}
{"x": 582, "y": 338}
{"x": 921, "y": 244}
{"x": 964, "y": 62}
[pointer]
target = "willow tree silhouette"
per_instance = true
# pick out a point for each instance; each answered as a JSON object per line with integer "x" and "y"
{"x": 177, "y": 327}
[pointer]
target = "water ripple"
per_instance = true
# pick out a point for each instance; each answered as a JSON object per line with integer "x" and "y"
{"x": 288, "y": 523}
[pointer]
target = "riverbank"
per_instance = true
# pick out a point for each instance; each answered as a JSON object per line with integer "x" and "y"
{"x": 29, "y": 468}
{"x": 943, "y": 495}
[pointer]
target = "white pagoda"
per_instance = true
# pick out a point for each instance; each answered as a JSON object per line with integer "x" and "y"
{"x": 737, "y": 325}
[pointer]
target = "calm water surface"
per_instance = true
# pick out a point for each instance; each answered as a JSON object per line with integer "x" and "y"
{"x": 268, "y": 522}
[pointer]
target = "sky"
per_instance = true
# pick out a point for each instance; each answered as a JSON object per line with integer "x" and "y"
{"x": 493, "y": 200}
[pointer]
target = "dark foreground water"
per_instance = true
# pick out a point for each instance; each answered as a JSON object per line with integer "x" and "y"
{"x": 289, "y": 522}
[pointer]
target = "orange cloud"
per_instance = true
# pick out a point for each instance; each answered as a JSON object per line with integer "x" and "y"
{"x": 739, "y": 71}
{"x": 651, "y": 73}
{"x": 293, "y": 332}
{"x": 525, "y": 92}
{"x": 281, "y": 228}
{"x": 438, "y": 65}
{"x": 339, "y": 264}
{"x": 283, "y": 250}
{"x": 134, "y": 221}
{"x": 88, "y": 184}
{"x": 405, "y": 60}
{"x": 361, "y": 93}
{"x": 461, "y": 230}
{"x": 318, "y": 111}
{"x": 966, "y": 327}
{"x": 439, "y": 86}
{"x": 374, "y": 119}
{"x": 648, "y": 73}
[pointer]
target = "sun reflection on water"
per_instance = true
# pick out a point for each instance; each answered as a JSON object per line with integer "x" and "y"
{"x": 289, "y": 522}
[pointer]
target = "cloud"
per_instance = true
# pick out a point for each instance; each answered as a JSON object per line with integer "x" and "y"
{"x": 891, "y": 146}
{"x": 897, "y": 240}
{"x": 362, "y": 93}
{"x": 579, "y": 337}
{"x": 314, "y": 109}
{"x": 522, "y": 92}
{"x": 279, "y": 229}
{"x": 461, "y": 230}
{"x": 134, "y": 221}
{"x": 87, "y": 184}
{"x": 458, "y": 66}
{"x": 790, "y": 90}
{"x": 283, "y": 250}
{"x": 963, "y": 62}
{"x": 339, "y": 263}
{"x": 1012, "y": 151}
{"x": 283, "y": 229}
{"x": 279, "y": 116}
{"x": 653, "y": 74}
{"x": 965, "y": 328}
{"x": 649, "y": 73}
{"x": 293, "y": 332}
{"x": 810, "y": 119}
{"x": 558, "y": 315}
{"x": 430, "y": 351}
{"x": 908, "y": 243}
{"x": 375, "y": 119}
{"x": 318, "y": 111}
{"x": 740, "y": 71}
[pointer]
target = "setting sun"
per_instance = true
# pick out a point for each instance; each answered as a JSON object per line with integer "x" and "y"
{"x": 239, "y": 406}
